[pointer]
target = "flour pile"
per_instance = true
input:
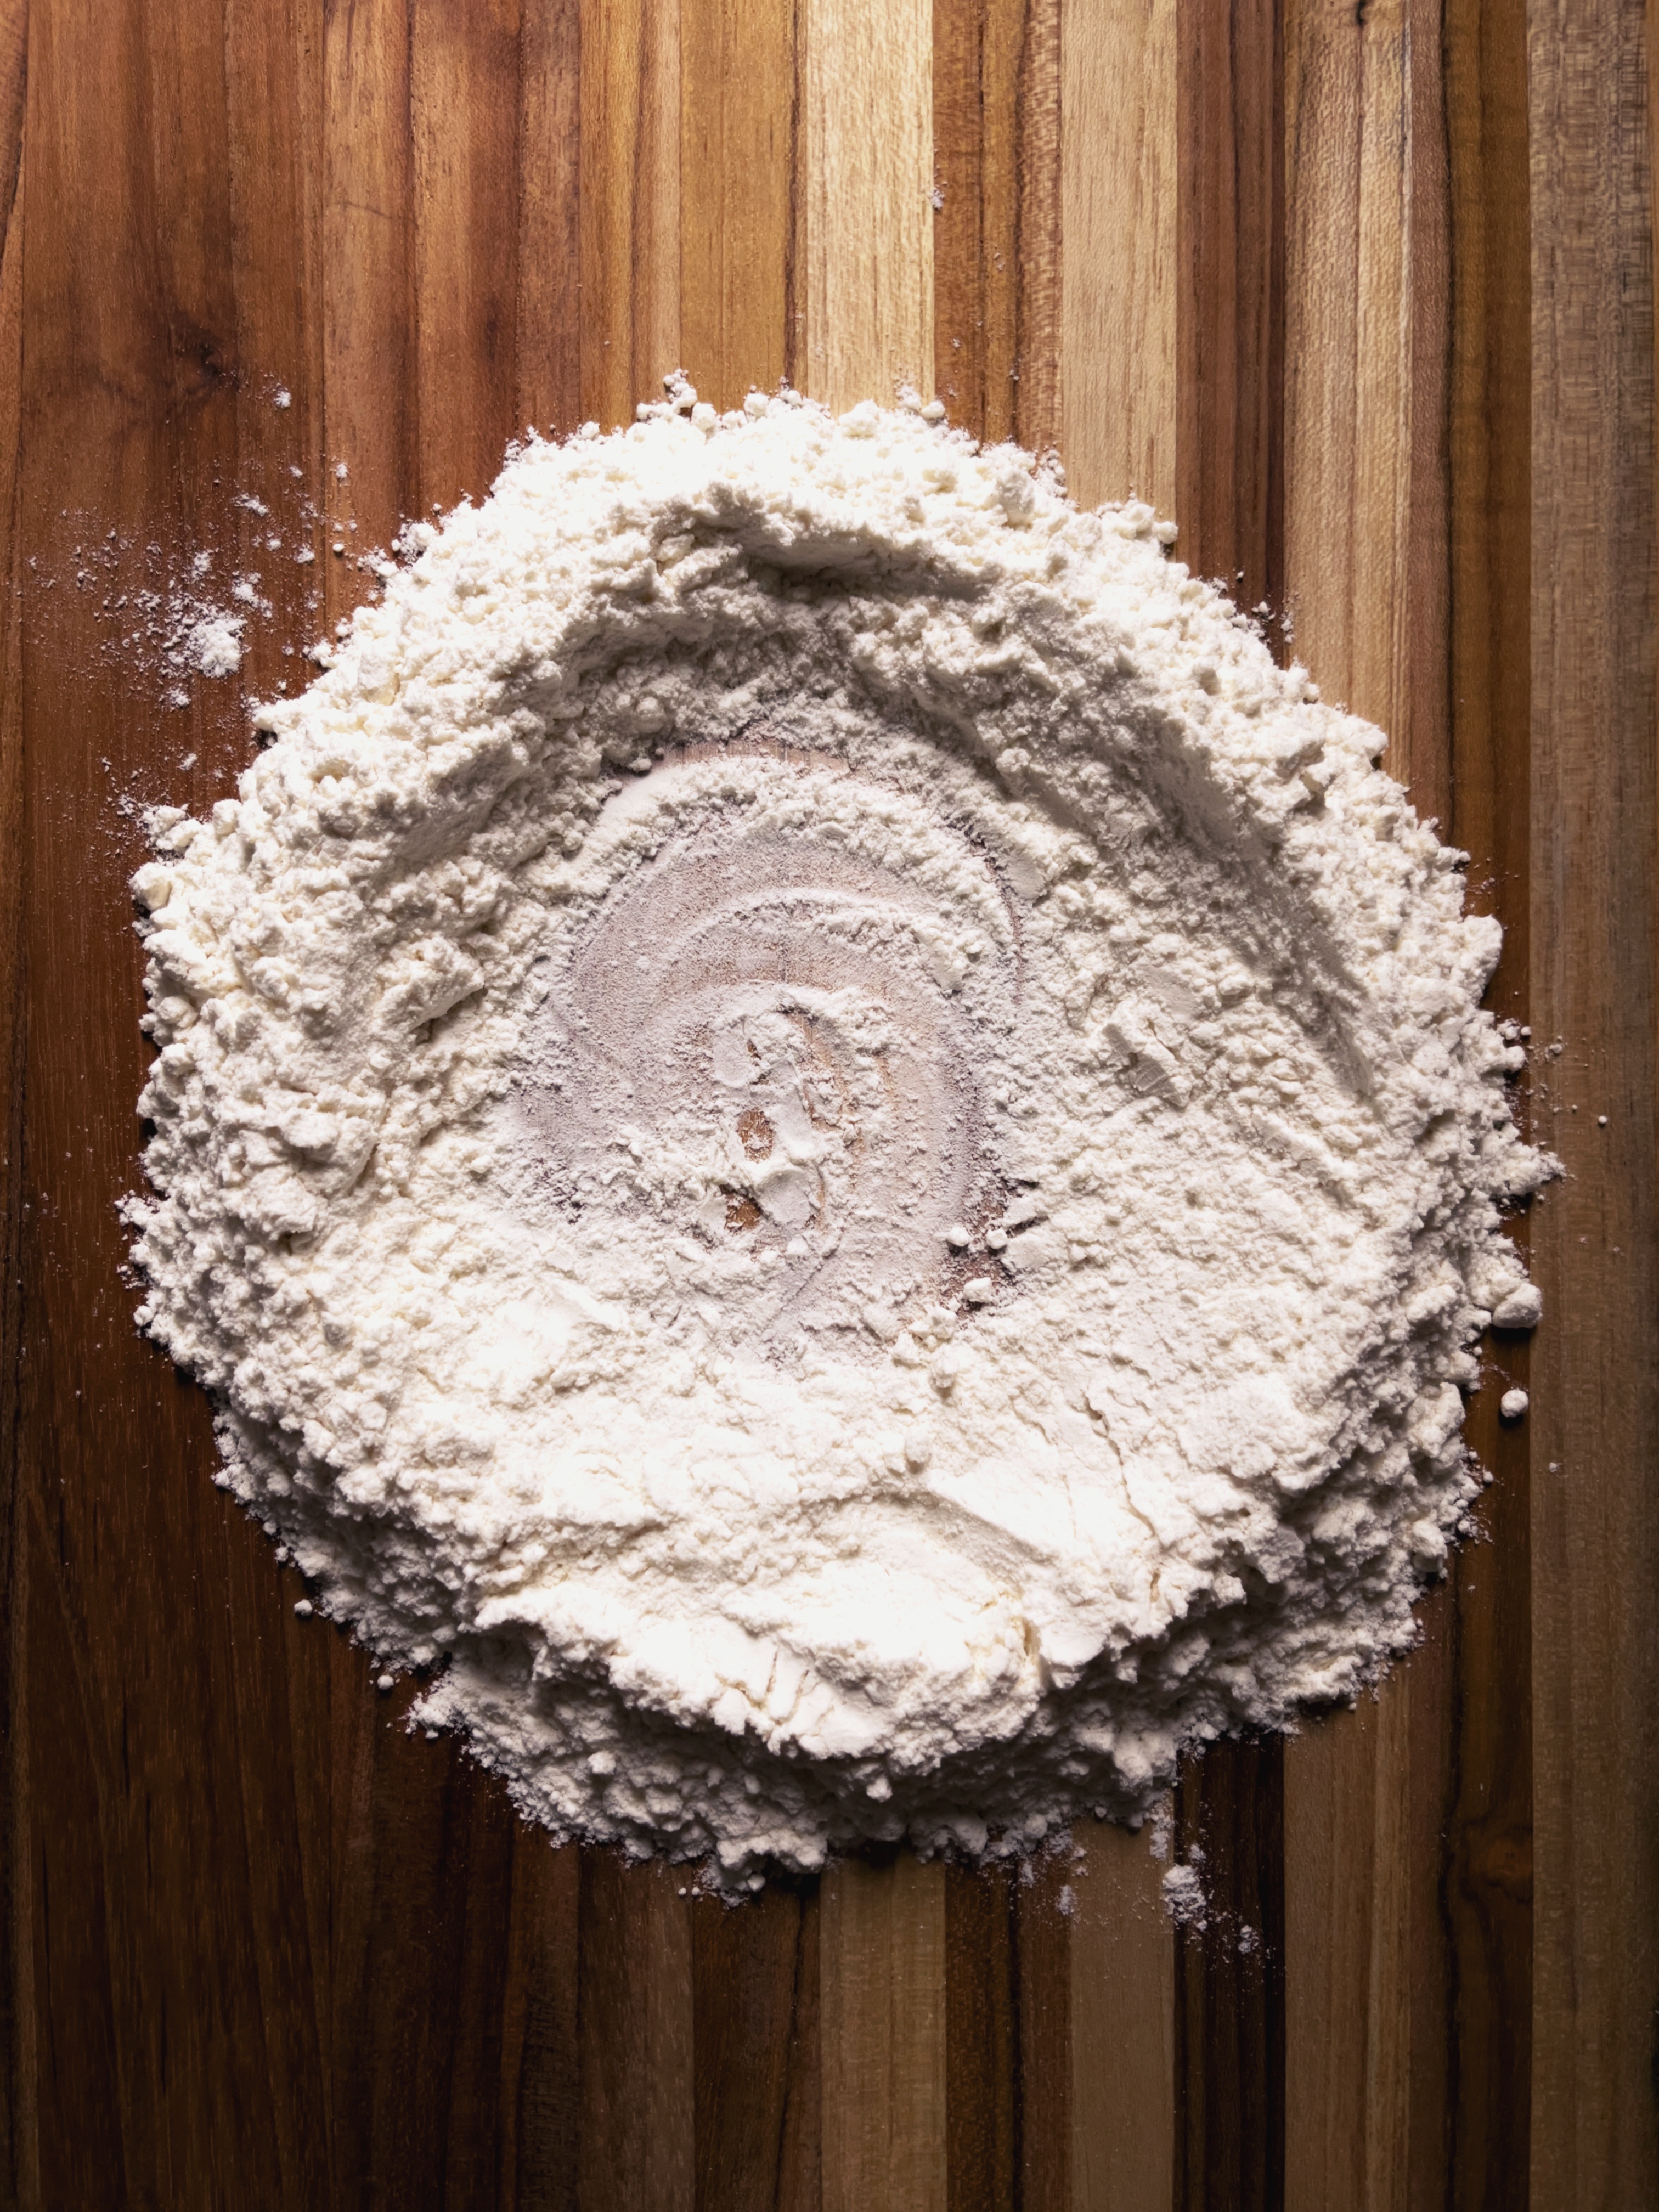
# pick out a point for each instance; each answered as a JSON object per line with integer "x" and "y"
{"x": 828, "y": 1145}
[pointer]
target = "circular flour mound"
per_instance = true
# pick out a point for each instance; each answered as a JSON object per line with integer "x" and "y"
{"x": 826, "y": 1146}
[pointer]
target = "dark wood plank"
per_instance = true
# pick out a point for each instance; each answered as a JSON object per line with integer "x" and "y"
{"x": 753, "y": 1970}
{"x": 1229, "y": 489}
{"x": 1229, "y": 1986}
{"x": 1043, "y": 2013}
{"x": 1230, "y": 502}
{"x": 540, "y": 2023}
{"x": 17, "y": 2137}
{"x": 1488, "y": 1879}
{"x": 637, "y": 2151}
{"x": 983, "y": 2053}
{"x": 464, "y": 121}
{"x": 1595, "y": 1237}
{"x": 133, "y": 1867}
{"x": 996, "y": 227}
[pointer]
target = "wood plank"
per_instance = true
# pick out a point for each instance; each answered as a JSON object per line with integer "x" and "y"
{"x": 463, "y": 122}
{"x": 277, "y": 1684}
{"x": 1118, "y": 220}
{"x": 882, "y": 1962}
{"x": 1486, "y": 1886}
{"x": 1596, "y": 1540}
{"x": 540, "y": 2065}
{"x": 631, "y": 205}
{"x": 1229, "y": 309}
{"x": 19, "y": 2179}
{"x": 368, "y": 389}
{"x": 1370, "y": 2051}
{"x": 1119, "y": 414}
{"x": 1228, "y": 485}
{"x": 1229, "y": 1981}
{"x": 739, "y": 168}
{"x": 549, "y": 304}
{"x": 1045, "y": 1902}
{"x": 130, "y": 1865}
{"x": 1122, "y": 1983}
{"x": 984, "y": 2060}
{"x": 976, "y": 84}
{"x": 864, "y": 250}
{"x": 866, "y": 186}
{"x": 755, "y": 1969}
{"x": 637, "y": 2148}
{"x": 1365, "y": 346}
{"x": 996, "y": 230}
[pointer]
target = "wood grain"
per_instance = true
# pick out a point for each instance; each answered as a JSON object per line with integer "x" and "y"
{"x": 1229, "y": 306}
{"x": 865, "y": 196}
{"x": 1486, "y": 1887}
{"x": 882, "y": 1994}
{"x": 1123, "y": 1993}
{"x": 738, "y": 166}
{"x": 1368, "y": 2059}
{"x": 757, "y": 2045}
{"x": 1417, "y": 615}
{"x": 19, "y": 2167}
{"x": 1119, "y": 216}
{"x": 631, "y": 138}
{"x": 1596, "y": 1776}
{"x": 549, "y": 301}
{"x": 996, "y": 250}
{"x": 1366, "y": 296}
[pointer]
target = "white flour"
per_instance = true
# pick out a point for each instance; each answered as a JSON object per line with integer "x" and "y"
{"x": 827, "y": 1145}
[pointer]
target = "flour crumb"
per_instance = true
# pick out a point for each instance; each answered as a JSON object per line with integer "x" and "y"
{"x": 1184, "y": 1900}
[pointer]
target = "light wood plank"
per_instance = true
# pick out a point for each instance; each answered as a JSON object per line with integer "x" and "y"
{"x": 866, "y": 186}
{"x": 631, "y": 205}
{"x": 1118, "y": 181}
{"x": 1366, "y": 343}
{"x": 1595, "y": 1534}
{"x": 883, "y": 1996}
{"x": 1118, "y": 225}
{"x": 1122, "y": 1997}
{"x": 1367, "y": 2059}
{"x": 737, "y": 157}
{"x": 864, "y": 244}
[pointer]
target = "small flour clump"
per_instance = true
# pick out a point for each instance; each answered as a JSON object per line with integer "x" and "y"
{"x": 827, "y": 1147}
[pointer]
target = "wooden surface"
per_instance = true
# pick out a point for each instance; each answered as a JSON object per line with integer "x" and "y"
{"x": 1365, "y": 293}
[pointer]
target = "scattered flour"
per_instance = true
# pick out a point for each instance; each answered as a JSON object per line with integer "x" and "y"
{"x": 827, "y": 1145}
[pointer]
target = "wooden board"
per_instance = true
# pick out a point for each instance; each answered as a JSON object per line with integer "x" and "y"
{"x": 1366, "y": 295}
